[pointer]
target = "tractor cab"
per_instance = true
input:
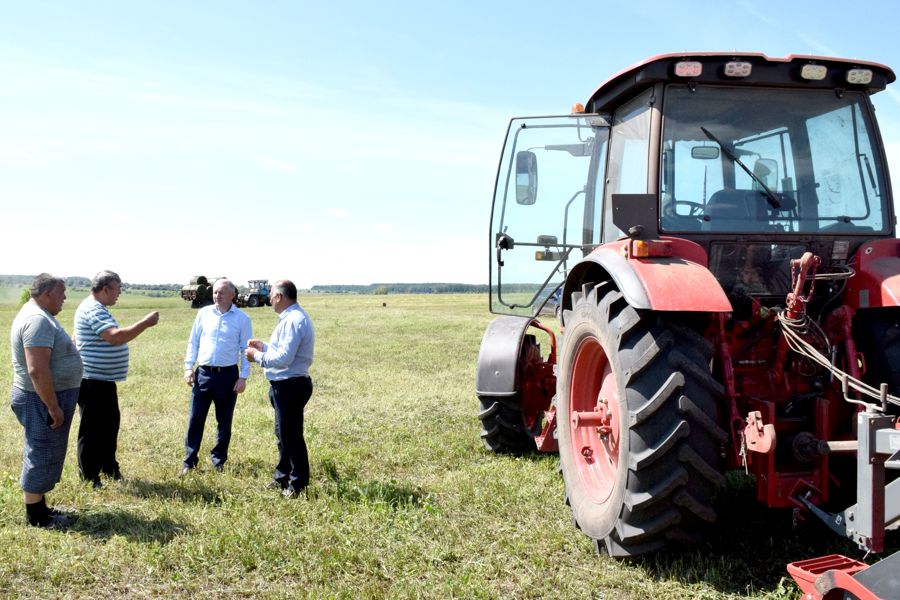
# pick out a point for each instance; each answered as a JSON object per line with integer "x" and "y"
{"x": 757, "y": 160}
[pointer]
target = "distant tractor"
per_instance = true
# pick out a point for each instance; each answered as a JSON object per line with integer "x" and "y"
{"x": 257, "y": 295}
{"x": 198, "y": 292}
{"x": 722, "y": 230}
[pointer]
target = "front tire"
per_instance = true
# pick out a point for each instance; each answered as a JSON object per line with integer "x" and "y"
{"x": 637, "y": 422}
{"x": 508, "y": 426}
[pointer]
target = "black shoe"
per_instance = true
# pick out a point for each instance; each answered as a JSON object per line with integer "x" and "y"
{"x": 96, "y": 483}
{"x": 275, "y": 485}
{"x": 116, "y": 475}
{"x": 290, "y": 493}
{"x": 57, "y": 521}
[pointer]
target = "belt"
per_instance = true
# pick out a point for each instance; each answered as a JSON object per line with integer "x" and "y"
{"x": 217, "y": 369}
{"x": 295, "y": 378}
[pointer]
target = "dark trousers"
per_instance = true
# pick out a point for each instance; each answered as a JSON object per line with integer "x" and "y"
{"x": 212, "y": 385}
{"x": 289, "y": 398}
{"x": 98, "y": 432}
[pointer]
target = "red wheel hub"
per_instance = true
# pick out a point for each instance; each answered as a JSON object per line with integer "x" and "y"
{"x": 594, "y": 420}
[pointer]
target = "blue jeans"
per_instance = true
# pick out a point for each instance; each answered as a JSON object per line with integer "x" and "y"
{"x": 211, "y": 386}
{"x": 289, "y": 398}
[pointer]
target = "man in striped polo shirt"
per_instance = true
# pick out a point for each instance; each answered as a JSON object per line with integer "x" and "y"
{"x": 104, "y": 350}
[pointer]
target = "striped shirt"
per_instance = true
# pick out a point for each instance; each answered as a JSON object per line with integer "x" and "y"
{"x": 102, "y": 360}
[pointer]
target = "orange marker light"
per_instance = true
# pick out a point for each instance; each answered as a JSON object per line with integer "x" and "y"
{"x": 650, "y": 249}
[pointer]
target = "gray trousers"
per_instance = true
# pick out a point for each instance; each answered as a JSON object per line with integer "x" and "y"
{"x": 45, "y": 448}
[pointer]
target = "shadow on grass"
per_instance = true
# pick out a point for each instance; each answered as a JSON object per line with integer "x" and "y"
{"x": 118, "y": 522}
{"x": 187, "y": 490}
{"x": 252, "y": 467}
{"x": 748, "y": 550}
{"x": 394, "y": 495}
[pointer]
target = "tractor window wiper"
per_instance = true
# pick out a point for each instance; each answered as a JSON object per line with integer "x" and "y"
{"x": 770, "y": 195}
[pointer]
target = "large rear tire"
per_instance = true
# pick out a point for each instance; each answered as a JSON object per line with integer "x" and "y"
{"x": 253, "y": 301}
{"x": 637, "y": 420}
{"x": 507, "y": 426}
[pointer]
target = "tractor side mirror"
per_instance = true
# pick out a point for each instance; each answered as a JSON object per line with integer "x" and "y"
{"x": 526, "y": 177}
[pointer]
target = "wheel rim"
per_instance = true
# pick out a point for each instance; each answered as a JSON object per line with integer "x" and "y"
{"x": 594, "y": 420}
{"x": 532, "y": 401}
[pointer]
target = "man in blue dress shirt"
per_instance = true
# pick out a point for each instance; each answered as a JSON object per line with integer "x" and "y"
{"x": 220, "y": 333}
{"x": 285, "y": 361}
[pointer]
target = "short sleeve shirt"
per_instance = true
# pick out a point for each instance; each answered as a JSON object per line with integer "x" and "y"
{"x": 102, "y": 360}
{"x": 34, "y": 327}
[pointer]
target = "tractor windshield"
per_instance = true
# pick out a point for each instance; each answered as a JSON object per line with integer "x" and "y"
{"x": 770, "y": 160}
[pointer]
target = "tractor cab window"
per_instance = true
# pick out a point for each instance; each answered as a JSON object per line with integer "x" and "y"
{"x": 769, "y": 160}
{"x": 543, "y": 215}
{"x": 844, "y": 169}
{"x": 628, "y": 157}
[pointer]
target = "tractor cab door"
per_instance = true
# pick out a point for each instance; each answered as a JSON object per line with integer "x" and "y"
{"x": 545, "y": 216}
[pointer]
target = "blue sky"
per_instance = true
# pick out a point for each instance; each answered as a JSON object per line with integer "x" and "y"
{"x": 344, "y": 142}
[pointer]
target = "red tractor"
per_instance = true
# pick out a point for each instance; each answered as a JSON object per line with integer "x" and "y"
{"x": 722, "y": 230}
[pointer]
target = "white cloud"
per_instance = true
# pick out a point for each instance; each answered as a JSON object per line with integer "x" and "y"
{"x": 750, "y": 8}
{"x": 817, "y": 47}
{"x": 273, "y": 164}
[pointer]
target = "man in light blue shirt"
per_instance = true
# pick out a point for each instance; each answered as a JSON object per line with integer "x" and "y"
{"x": 286, "y": 360}
{"x": 220, "y": 333}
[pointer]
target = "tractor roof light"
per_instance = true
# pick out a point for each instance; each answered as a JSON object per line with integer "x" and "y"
{"x": 688, "y": 68}
{"x": 859, "y": 76}
{"x": 737, "y": 68}
{"x": 814, "y": 72}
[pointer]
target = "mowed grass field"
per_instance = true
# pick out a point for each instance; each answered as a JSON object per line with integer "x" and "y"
{"x": 404, "y": 502}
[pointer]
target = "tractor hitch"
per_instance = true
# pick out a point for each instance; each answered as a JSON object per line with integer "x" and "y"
{"x": 758, "y": 436}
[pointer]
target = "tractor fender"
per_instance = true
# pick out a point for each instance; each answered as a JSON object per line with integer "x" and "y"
{"x": 499, "y": 353}
{"x": 680, "y": 282}
{"x": 877, "y": 279}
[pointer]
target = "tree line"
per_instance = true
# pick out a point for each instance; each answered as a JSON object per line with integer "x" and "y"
{"x": 76, "y": 282}
{"x": 372, "y": 288}
{"x": 414, "y": 288}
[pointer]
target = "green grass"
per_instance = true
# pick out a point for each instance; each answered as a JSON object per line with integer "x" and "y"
{"x": 404, "y": 502}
